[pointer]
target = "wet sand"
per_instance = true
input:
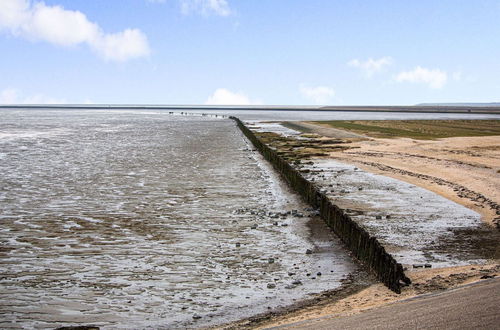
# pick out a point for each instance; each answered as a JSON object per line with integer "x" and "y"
{"x": 376, "y": 296}
{"x": 416, "y": 225}
{"x": 463, "y": 170}
{"x": 144, "y": 220}
{"x": 139, "y": 284}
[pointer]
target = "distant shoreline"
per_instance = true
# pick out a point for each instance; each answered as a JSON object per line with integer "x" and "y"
{"x": 484, "y": 109}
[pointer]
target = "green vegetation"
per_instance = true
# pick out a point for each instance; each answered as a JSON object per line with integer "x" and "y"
{"x": 418, "y": 129}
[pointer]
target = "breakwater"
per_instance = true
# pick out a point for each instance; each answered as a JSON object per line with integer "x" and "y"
{"x": 365, "y": 248}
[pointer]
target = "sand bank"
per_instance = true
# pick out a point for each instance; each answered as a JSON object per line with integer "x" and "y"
{"x": 465, "y": 170}
{"x": 377, "y": 295}
{"x": 462, "y": 169}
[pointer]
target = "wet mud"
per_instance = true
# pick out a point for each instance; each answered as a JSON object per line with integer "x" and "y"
{"x": 417, "y": 227}
{"x": 139, "y": 219}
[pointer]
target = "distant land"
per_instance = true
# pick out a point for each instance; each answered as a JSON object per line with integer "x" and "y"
{"x": 491, "y": 104}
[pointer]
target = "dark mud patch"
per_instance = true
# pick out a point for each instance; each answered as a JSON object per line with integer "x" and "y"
{"x": 468, "y": 243}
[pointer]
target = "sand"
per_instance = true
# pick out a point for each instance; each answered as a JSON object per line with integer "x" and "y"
{"x": 463, "y": 169}
{"x": 424, "y": 281}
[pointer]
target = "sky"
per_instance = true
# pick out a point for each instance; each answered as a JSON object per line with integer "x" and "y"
{"x": 249, "y": 52}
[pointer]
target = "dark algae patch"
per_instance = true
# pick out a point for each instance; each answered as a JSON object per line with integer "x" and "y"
{"x": 292, "y": 149}
{"x": 418, "y": 129}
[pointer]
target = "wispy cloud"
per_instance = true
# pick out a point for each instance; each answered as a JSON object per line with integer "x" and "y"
{"x": 223, "y": 96}
{"x": 14, "y": 96}
{"x": 206, "y": 7}
{"x": 317, "y": 94}
{"x": 434, "y": 78}
{"x": 371, "y": 66}
{"x": 457, "y": 76}
{"x": 56, "y": 25}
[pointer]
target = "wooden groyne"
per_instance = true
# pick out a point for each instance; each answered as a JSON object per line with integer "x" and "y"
{"x": 366, "y": 248}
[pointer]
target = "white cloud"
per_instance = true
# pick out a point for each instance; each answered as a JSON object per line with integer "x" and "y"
{"x": 206, "y": 7}
{"x": 317, "y": 94}
{"x": 223, "y": 96}
{"x": 371, "y": 66}
{"x": 434, "y": 78}
{"x": 121, "y": 46}
{"x": 14, "y": 96}
{"x": 9, "y": 96}
{"x": 62, "y": 27}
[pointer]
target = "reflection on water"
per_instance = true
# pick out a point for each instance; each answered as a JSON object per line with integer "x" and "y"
{"x": 135, "y": 219}
{"x": 273, "y": 115}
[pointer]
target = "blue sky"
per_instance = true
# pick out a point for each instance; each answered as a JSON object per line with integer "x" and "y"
{"x": 249, "y": 52}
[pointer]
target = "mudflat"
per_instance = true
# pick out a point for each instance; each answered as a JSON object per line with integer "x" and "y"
{"x": 465, "y": 169}
{"x": 460, "y": 164}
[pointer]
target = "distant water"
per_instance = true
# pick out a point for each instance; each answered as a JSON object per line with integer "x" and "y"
{"x": 259, "y": 115}
{"x": 133, "y": 219}
{"x": 300, "y": 115}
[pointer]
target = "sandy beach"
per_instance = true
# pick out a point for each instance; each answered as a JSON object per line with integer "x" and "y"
{"x": 377, "y": 295}
{"x": 462, "y": 169}
{"x": 465, "y": 170}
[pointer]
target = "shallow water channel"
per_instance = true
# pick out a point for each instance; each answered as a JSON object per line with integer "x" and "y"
{"x": 137, "y": 219}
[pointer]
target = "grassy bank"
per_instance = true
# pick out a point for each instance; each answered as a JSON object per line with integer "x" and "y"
{"x": 417, "y": 129}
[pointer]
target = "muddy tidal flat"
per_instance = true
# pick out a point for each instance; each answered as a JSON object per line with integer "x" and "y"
{"x": 419, "y": 227}
{"x": 137, "y": 219}
{"x": 432, "y": 203}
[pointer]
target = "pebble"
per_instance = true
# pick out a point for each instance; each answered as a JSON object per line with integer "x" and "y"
{"x": 270, "y": 260}
{"x": 319, "y": 273}
{"x": 196, "y": 317}
{"x": 308, "y": 251}
{"x": 271, "y": 285}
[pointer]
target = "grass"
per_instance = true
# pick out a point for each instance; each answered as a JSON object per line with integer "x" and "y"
{"x": 418, "y": 129}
